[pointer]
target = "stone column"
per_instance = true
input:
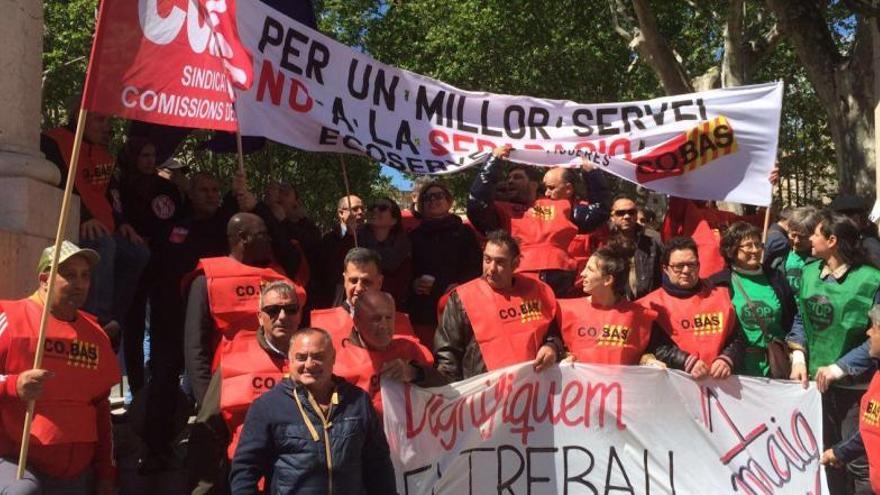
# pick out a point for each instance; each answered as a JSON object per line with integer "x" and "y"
{"x": 29, "y": 197}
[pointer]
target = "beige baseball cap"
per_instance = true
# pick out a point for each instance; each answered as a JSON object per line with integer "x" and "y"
{"x": 68, "y": 250}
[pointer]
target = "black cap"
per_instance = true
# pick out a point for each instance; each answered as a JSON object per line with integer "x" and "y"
{"x": 847, "y": 202}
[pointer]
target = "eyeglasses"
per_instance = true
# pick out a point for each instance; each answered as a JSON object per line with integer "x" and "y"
{"x": 753, "y": 245}
{"x": 353, "y": 208}
{"x": 434, "y": 196}
{"x": 623, "y": 213}
{"x": 273, "y": 310}
{"x": 679, "y": 267}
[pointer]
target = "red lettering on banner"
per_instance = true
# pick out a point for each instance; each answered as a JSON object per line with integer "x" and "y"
{"x": 520, "y": 407}
{"x": 298, "y": 98}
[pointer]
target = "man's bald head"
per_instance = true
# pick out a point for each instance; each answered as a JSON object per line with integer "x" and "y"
{"x": 374, "y": 319}
{"x": 249, "y": 239}
{"x": 560, "y": 183}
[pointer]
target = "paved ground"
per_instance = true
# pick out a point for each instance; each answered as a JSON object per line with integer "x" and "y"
{"x": 128, "y": 448}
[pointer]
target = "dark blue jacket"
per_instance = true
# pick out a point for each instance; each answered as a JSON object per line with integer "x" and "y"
{"x": 277, "y": 444}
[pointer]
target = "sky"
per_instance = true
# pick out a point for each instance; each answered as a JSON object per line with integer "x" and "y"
{"x": 397, "y": 178}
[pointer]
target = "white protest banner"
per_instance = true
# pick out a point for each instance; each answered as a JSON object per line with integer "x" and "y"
{"x": 316, "y": 94}
{"x": 582, "y": 429}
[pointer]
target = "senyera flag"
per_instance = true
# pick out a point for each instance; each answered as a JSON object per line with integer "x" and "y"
{"x": 169, "y": 62}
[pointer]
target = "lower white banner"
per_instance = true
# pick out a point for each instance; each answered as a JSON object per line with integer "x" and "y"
{"x": 583, "y": 429}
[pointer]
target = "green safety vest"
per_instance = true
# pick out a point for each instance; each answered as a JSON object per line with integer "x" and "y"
{"x": 793, "y": 269}
{"x": 835, "y": 315}
{"x": 767, "y": 309}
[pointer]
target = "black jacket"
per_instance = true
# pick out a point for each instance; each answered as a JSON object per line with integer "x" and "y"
{"x": 448, "y": 250}
{"x": 276, "y": 444}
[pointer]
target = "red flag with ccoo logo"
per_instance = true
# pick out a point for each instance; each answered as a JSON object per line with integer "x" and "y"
{"x": 169, "y": 62}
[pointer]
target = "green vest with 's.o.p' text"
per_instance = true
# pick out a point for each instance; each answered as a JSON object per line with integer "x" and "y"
{"x": 794, "y": 269}
{"x": 835, "y": 315}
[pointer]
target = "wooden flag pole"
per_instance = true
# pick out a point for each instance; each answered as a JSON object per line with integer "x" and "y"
{"x": 53, "y": 271}
{"x": 767, "y": 221}
{"x": 240, "y": 150}
{"x": 348, "y": 196}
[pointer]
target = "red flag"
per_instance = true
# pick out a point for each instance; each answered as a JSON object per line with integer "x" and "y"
{"x": 152, "y": 61}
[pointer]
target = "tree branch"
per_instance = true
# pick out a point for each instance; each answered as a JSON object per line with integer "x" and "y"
{"x": 733, "y": 63}
{"x": 653, "y": 47}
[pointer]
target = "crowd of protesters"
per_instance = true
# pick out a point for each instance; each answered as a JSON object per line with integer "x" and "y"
{"x": 276, "y": 336}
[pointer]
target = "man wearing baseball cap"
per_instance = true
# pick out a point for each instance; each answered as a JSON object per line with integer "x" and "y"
{"x": 70, "y": 438}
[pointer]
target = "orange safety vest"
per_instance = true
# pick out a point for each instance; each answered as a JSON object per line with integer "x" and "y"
{"x": 234, "y": 295}
{"x": 246, "y": 371}
{"x": 869, "y": 427}
{"x": 93, "y": 174}
{"x": 509, "y": 327}
{"x": 595, "y": 334}
{"x": 337, "y": 321}
{"x": 85, "y": 367}
{"x": 700, "y": 324}
{"x": 361, "y": 367}
{"x": 544, "y": 231}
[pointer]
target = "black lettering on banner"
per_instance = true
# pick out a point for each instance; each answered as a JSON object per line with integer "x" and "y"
{"x": 820, "y": 312}
{"x": 676, "y": 110}
{"x": 385, "y": 91}
{"x": 353, "y": 143}
{"x": 319, "y": 58}
{"x": 373, "y": 135}
{"x": 624, "y": 115}
{"x": 579, "y": 478}
{"x": 581, "y": 119}
{"x": 519, "y": 114}
{"x": 613, "y": 458}
{"x": 484, "y": 121}
{"x": 338, "y": 113}
{"x": 272, "y": 33}
{"x": 538, "y": 118}
{"x": 723, "y": 136}
{"x": 536, "y": 479}
{"x": 412, "y": 473}
{"x": 506, "y": 484}
{"x": 404, "y": 136}
{"x": 702, "y": 108}
{"x": 459, "y": 116}
{"x": 426, "y": 110}
{"x": 396, "y": 161}
{"x": 660, "y": 116}
{"x": 375, "y": 153}
{"x": 470, "y": 457}
{"x": 359, "y": 93}
{"x": 606, "y": 129}
{"x": 328, "y": 136}
{"x": 290, "y": 49}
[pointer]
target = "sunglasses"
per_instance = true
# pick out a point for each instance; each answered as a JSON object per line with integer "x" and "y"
{"x": 623, "y": 213}
{"x": 273, "y": 310}
{"x": 379, "y": 207}
{"x": 434, "y": 196}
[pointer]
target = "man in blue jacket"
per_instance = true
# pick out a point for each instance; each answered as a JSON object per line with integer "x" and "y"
{"x": 287, "y": 429}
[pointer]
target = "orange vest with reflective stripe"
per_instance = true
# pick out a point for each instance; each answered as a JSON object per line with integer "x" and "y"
{"x": 700, "y": 324}
{"x": 85, "y": 367}
{"x": 509, "y": 327}
{"x": 361, "y": 367}
{"x": 869, "y": 427}
{"x": 595, "y": 334}
{"x": 338, "y": 323}
{"x": 544, "y": 231}
{"x": 246, "y": 371}
{"x": 94, "y": 170}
